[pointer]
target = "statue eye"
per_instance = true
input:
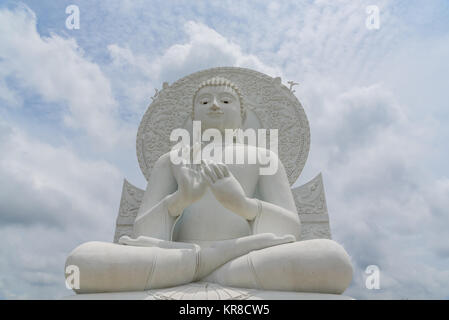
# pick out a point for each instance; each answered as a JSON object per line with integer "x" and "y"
{"x": 204, "y": 102}
{"x": 226, "y": 100}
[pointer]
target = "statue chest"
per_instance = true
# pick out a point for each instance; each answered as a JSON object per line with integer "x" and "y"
{"x": 208, "y": 220}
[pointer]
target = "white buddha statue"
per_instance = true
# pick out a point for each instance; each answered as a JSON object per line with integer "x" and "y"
{"x": 215, "y": 222}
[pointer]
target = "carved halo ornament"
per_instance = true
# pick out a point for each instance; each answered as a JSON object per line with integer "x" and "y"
{"x": 275, "y": 106}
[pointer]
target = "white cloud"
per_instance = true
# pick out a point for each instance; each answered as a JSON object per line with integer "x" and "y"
{"x": 205, "y": 48}
{"x": 50, "y": 202}
{"x": 7, "y": 96}
{"x": 50, "y": 174}
{"x": 385, "y": 206}
{"x": 56, "y": 69}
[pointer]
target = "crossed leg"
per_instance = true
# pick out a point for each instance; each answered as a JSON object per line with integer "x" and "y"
{"x": 148, "y": 263}
{"x": 261, "y": 261}
{"x": 318, "y": 265}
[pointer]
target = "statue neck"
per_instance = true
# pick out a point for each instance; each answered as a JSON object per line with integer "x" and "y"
{"x": 224, "y": 140}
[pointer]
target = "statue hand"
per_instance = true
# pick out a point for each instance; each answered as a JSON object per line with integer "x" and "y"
{"x": 191, "y": 185}
{"x": 225, "y": 187}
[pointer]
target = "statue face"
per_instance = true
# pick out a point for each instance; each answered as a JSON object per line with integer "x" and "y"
{"x": 218, "y": 107}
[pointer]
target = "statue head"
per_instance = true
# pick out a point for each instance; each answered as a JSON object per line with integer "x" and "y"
{"x": 217, "y": 103}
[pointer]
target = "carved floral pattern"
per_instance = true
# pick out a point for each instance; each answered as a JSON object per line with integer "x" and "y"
{"x": 129, "y": 207}
{"x": 311, "y": 206}
{"x": 309, "y": 198}
{"x": 201, "y": 291}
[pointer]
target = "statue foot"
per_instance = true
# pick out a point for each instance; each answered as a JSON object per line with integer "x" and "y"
{"x": 143, "y": 241}
{"x": 220, "y": 252}
{"x": 264, "y": 240}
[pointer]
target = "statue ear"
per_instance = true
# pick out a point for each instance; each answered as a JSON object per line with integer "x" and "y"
{"x": 243, "y": 116}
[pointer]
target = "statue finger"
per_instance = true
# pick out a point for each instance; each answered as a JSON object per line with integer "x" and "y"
{"x": 197, "y": 171}
{"x": 216, "y": 170}
{"x": 205, "y": 164}
{"x": 209, "y": 173}
{"x": 207, "y": 176}
{"x": 224, "y": 169}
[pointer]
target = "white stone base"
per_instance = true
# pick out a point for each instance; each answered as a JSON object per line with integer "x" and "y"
{"x": 207, "y": 291}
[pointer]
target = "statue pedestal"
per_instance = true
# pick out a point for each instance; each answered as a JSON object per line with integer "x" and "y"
{"x": 207, "y": 291}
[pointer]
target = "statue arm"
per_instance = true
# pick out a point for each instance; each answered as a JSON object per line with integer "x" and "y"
{"x": 153, "y": 218}
{"x": 276, "y": 210}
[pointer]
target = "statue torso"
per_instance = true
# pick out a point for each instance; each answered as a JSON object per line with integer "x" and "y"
{"x": 207, "y": 220}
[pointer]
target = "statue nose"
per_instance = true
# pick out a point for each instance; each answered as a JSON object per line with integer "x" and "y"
{"x": 215, "y": 106}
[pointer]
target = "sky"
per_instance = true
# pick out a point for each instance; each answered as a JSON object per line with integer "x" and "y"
{"x": 71, "y": 101}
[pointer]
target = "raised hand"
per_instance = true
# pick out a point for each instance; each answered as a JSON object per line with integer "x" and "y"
{"x": 191, "y": 186}
{"x": 225, "y": 187}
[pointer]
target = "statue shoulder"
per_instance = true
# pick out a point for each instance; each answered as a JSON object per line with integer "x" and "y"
{"x": 163, "y": 161}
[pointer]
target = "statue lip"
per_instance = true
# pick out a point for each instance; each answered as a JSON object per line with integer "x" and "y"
{"x": 215, "y": 113}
